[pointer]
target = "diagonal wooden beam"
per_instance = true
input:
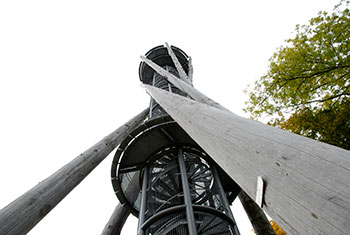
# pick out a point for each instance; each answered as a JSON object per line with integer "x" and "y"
{"x": 20, "y": 216}
{"x": 120, "y": 214}
{"x": 177, "y": 64}
{"x": 190, "y": 70}
{"x": 307, "y": 181}
{"x": 259, "y": 221}
{"x": 183, "y": 86}
{"x": 116, "y": 222}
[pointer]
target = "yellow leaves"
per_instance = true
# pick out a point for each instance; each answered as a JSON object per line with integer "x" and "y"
{"x": 327, "y": 123}
{"x": 278, "y": 229}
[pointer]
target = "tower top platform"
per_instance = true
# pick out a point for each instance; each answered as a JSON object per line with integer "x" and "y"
{"x": 160, "y": 56}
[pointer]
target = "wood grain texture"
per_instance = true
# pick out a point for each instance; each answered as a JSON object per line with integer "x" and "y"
{"x": 307, "y": 182}
{"x": 256, "y": 215}
{"x": 20, "y": 216}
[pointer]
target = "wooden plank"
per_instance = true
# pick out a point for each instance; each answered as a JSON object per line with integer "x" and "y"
{"x": 307, "y": 184}
{"x": 20, "y": 216}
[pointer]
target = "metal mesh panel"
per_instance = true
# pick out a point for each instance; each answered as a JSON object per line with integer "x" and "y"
{"x": 173, "y": 224}
{"x": 203, "y": 186}
{"x": 176, "y": 224}
{"x": 165, "y": 196}
{"x": 211, "y": 224}
{"x": 164, "y": 188}
{"x": 130, "y": 181}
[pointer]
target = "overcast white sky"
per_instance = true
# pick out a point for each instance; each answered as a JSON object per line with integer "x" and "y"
{"x": 69, "y": 76}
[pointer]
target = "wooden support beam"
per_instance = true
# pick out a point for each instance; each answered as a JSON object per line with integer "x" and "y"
{"x": 180, "y": 70}
{"x": 258, "y": 220}
{"x": 118, "y": 218}
{"x": 20, "y": 216}
{"x": 117, "y": 221}
{"x": 190, "y": 70}
{"x": 183, "y": 86}
{"x": 307, "y": 182}
{"x": 257, "y": 217}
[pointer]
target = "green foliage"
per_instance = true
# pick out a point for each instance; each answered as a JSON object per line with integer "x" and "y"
{"x": 308, "y": 81}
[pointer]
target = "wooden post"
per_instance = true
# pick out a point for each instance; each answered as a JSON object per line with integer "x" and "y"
{"x": 256, "y": 216}
{"x": 118, "y": 218}
{"x": 180, "y": 70}
{"x": 307, "y": 184}
{"x": 117, "y": 221}
{"x": 183, "y": 86}
{"x": 190, "y": 70}
{"x": 20, "y": 216}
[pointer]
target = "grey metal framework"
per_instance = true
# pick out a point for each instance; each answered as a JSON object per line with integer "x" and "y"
{"x": 177, "y": 187}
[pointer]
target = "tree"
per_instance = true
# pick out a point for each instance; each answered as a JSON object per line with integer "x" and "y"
{"x": 306, "y": 89}
{"x": 278, "y": 229}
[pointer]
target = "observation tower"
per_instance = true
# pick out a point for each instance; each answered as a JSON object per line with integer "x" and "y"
{"x": 182, "y": 161}
{"x": 161, "y": 175}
